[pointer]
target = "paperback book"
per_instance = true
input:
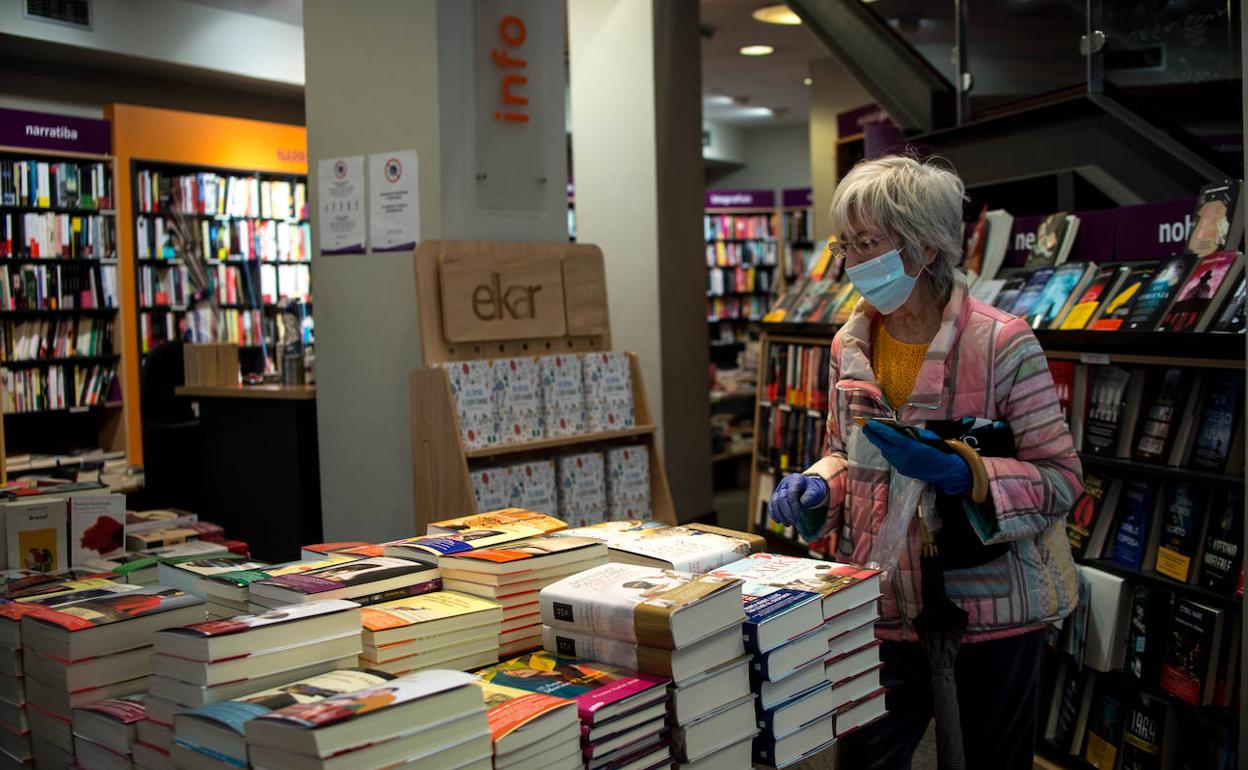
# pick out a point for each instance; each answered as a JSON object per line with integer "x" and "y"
{"x": 1180, "y": 533}
{"x": 689, "y": 549}
{"x": 365, "y": 581}
{"x": 1155, "y": 299}
{"x": 97, "y": 527}
{"x": 1119, "y": 303}
{"x": 842, "y": 586}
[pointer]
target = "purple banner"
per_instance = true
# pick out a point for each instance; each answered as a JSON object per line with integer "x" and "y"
{"x": 855, "y": 121}
{"x": 45, "y": 131}
{"x": 1125, "y": 234}
{"x": 740, "y": 199}
{"x": 798, "y": 196}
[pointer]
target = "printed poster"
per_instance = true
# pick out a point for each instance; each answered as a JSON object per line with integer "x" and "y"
{"x": 341, "y": 202}
{"x": 393, "y": 201}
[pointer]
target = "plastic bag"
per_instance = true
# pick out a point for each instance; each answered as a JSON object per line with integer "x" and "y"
{"x": 904, "y": 497}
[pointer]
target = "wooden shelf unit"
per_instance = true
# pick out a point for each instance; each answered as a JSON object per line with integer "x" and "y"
{"x": 103, "y": 423}
{"x": 440, "y": 462}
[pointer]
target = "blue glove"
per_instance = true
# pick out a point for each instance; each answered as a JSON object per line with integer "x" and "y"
{"x": 927, "y": 459}
{"x": 797, "y": 497}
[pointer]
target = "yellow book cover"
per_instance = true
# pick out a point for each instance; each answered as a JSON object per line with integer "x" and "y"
{"x": 412, "y": 610}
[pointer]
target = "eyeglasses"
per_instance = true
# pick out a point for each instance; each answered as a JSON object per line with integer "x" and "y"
{"x": 861, "y": 246}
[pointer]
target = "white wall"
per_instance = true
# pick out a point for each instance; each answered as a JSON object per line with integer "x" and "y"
{"x": 727, "y": 143}
{"x": 775, "y": 157}
{"x": 177, "y": 32}
{"x": 832, "y": 91}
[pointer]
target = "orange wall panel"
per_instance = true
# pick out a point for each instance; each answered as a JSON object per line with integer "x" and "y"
{"x": 171, "y": 136}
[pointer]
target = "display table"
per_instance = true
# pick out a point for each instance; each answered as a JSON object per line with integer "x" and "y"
{"x": 261, "y": 465}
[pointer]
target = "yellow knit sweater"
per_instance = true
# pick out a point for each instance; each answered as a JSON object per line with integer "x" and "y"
{"x": 896, "y": 364}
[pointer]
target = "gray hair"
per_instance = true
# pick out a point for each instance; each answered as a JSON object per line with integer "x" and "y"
{"x": 918, "y": 201}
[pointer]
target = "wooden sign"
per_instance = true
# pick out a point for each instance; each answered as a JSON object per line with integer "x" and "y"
{"x": 501, "y": 297}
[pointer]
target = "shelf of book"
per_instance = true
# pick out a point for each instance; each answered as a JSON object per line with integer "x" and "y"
{"x": 72, "y": 210}
{"x": 547, "y": 444}
{"x": 86, "y": 261}
{"x": 1161, "y": 581}
{"x": 68, "y": 410}
{"x": 31, "y": 363}
{"x": 1116, "y": 466}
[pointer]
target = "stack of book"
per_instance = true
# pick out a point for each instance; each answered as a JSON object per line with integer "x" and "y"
{"x": 217, "y": 660}
{"x": 143, "y": 568}
{"x": 530, "y": 728}
{"x": 213, "y": 735}
{"x": 696, "y": 548}
{"x": 363, "y": 581}
{"x": 442, "y": 629}
{"x": 470, "y": 533}
{"x": 186, "y": 575}
{"x": 104, "y": 732}
{"x": 672, "y": 624}
{"x": 89, "y": 651}
{"x": 228, "y": 593}
{"x": 815, "y": 667}
{"x": 430, "y": 719}
{"x": 623, "y": 713}
{"x": 38, "y": 591}
{"x": 513, "y": 574}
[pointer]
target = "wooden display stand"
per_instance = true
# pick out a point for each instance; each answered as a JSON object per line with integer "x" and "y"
{"x": 499, "y": 299}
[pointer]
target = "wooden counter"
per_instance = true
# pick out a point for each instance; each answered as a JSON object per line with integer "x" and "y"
{"x": 274, "y": 392}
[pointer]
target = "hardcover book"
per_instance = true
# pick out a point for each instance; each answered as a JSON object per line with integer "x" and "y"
{"x": 608, "y": 391}
{"x": 1180, "y": 533}
{"x": 1192, "y": 652}
{"x": 1207, "y": 287}
{"x": 1104, "y": 284}
{"x": 1118, "y": 304}
{"x": 510, "y": 711}
{"x": 1219, "y": 218}
{"x": 1218, "y": 420}
{"x": 842, "y": 586}
{"x": 97, "y": 527}
{"x": 582, "y": 488}
{"x": 628, "y": 482}
{"x": 563, "y": 396}
{"x": 1155, "y": 299}
{"x": 1132, "y": 534}
{"x": 601, "y": 691}
{"x": 491, "y": 488}
{"x": 1223, "y": 556}
{"x": 651, "y": 543}
{"x": 1106, "y": 401}
{"x": 791, "y": 612}
{"x": 533, "y": 487}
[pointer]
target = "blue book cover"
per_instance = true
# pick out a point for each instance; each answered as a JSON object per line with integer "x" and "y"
{"x": 1217, "y": 421}
{"x": 764, "y": 603}
{"x": 1132, "y": 536}
{"x": 766, "y": 718}
{"x": 1055, "y": 293}
{"x": 1030, "y": 294}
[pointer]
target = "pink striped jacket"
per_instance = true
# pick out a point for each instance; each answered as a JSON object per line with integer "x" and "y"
{"x": 981, "y": 363}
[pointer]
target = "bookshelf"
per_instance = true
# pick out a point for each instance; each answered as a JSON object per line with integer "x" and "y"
{"x": 739, "y": 230}
{"x": 573, "y": 281}
{"x": 797, "y": 226}
{"x": 60, "y": 391}
{"x": 251, "y": 226}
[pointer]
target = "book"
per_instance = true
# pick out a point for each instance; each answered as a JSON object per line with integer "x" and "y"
{"x": 1161, "y": 422}
{"x": 142, "y": 521}
{"x": 170, "y": 696}
{"x": 563, "y": 396}
{"x": 601, "y": 691}
{"x": 1106, "y": 401}
{"x": 517, "y": 521}
{"x": 519, "y": 397}
{"x": 525, "y": 560}
{"x": 1222, "y": 558}
{"x": 1230, "y": 316}
{"x": 1060, "y": 294}
{"x": 807, "y": 741}
{"x": 1182, "y": 518}
{"x": 1103, "y": 284}
{"x": 714, "y": 731}
{"x": 628, "y": 482}
{"x": 1148, "y": 739}
{"x": 775, "y": 616}
{"x": 1218, "y": 421}
{"x": 1118, "y": 303}
{"x": 238, "y": 637}
{"x": 404, "y": 627}
{"x": 1147, "y": 632}
{"x": 1063, "y": 373}
{"x": 1106, "y": 718}
{"x": 520, "y": 718}
{"x": 1109, "y": 610}
{"x": 1206, "y": 288}
{"x": 582, "y": 488}
{"x": 324, "y": 550}
{"x": 185, "y": 575}
{"x": 365, "y": 581}
{"x": 1000, "y": 224}
{"x": 780, "y": 662}
{"x": 704, "y": 693}
{"x": 658, "y": 608}
{"x": 1010, "y": 291}
{"x": 1156, "y": 298}
{"x": 1030, "y": 293}
{"x": 374, "y": 721}
{"x": 1088, "y": 525}
{"x": 107, "y": 624}
{"x": 35, "y": 534}
{"x": 110, "y": 723}
{"x": 533, "y": 487}
{"x": 217, "y": 730}
{"x": 1192, "y": 652}
{"x": 233, "y": 587}
{"x": 973, "y": 261}
{"x": 152, "y": 539}
{"x": 651, "y": 543}
{"x": 855, "y": 716}
{"x": 844, "y": 587}
{"x": 1051, "y": 245}
{"x": 1219, "y": 219}
{"x": 1133, "y": 526}
{"x": 474, "y": 389}
{"x": 97, "y": 527}
{"x": 681, "y": 665}
{"x": 608, "y": 391}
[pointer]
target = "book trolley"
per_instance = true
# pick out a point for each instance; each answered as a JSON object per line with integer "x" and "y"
{"x": 566, "y": 286}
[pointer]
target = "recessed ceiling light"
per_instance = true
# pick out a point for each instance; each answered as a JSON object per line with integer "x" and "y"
{"x": 753, "y": 112}
{"x": 757, "y": 50}
{"x": 716, "y": 100}
{"x": 776, "y": 14}
{"x": 807, "y": 81}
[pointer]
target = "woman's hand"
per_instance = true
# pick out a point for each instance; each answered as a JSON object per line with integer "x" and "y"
{"x": 800, "y": 501}
{"x": 928, "y": 459}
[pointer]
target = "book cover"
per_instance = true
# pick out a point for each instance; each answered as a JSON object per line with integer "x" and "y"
{"x": 1218, "y": 418}
{"x": 518, "y": 520}
{"x": 1031, "y": 291}
{"x": 353, "y": 705}
{"x": 1222, "y": 559}
{"x": 1147, "y": 633}
{"x": 1072, "y": 697}
{"x": 1198, "y": 291}
{"x": 533, "y": 487}
{"x": 628, "y": 482}
{"x": 591, "y": 684}
{"x": 1189, "y": 658}
{"x": 127, "y": 710}
{"x": 491, "y": 487}
{"x": 474, "y": 388}
{"x": 582, "y": 488}
{"x": 1055, "y": 293}
{"x": 1106, "y": 401}
{"x": 290, "y": 613}
{"x": 1132, "y": 534}
{"x": 531, "y": 550}
{"x": 1230, "y": 318}
{"x": 608, "y": 391}
{"x": 1085, "y": 308}
{"x": 1088, "y": 510}
{"x": 519, "y": 400}
{"x": 1180, "y": 533}
{"x": 628, "y": 602}
{"x": 1114, "y": 311}
{"x": 1155, "y": 298}
{"x": 35, "y": 533}
{"x": 826, "y": 578}
{"x": 1219, "y": 223}
{"x": 973, "y": 262}
{"x": 97, "y": 527}
{"x": 1010, "y": 290}
{"x": 764, "y": 602}
{"x": 56, "y": 595}
{"x": 507, "y": 709}
{"x": 437, "y": 605}
{"x": 360, "y": 572}
{"x": 246, "y": 577}
{"x": 1063, "y": 373}
{"x": 1105, "y": 723}
{"x": 563, "y": 396}
{"x": 1160, "y": 421}
{"x": 1049, "y": 237}
{"x": 1143, "y": 733}
{"x": 686, "y": 549}
{"x": 234, "y": 714}
{"x": 116, "y": 607}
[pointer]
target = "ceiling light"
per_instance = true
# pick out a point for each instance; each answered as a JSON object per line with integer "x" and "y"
{"x": 716, "y": 100}
{"x": 807, "y": 81}
{"x": 753, "y": 112}
{"x": 776, "y": 14}
{"x": 757, "y": 50}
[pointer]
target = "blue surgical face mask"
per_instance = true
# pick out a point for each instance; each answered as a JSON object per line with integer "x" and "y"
{"x": 883, "y": 281}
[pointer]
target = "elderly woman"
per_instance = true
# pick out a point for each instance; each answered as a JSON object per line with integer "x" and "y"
{"x": 919, "y": 350}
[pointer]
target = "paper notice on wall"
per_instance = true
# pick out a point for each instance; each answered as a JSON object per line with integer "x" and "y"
{"x": 393, "y": 201}
{"x": 341, "y": 204}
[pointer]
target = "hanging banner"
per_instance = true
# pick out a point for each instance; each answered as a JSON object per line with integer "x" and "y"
{"x": 393, "y": 201}
{"x": 340, "y": 183}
